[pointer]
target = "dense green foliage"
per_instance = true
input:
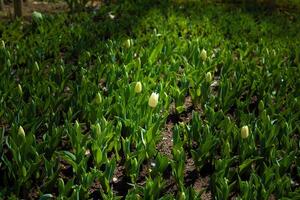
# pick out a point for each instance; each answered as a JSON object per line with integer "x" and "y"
{"x": 69, "y": 82}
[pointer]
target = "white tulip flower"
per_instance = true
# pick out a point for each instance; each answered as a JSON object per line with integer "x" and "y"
{"x": 245, "y": 132}
{"x": 21, "y": 131}
{"x": 153, "y": 100}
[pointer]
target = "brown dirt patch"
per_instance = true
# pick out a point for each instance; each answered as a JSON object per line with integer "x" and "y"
{"x": 120, "y": 181}
{"x": 30, "y": 7}
{"x": 166, "y": 144}
{"x": 193, "y": 178}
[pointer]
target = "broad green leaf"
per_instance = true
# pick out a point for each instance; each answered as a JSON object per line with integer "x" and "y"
{"x": 247, "y": 163}
{"x": 154, "y": 54}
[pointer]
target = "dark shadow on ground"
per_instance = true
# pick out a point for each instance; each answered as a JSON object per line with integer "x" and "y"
{"x": 232, "y": 21}
{"x": 128, "y": 19}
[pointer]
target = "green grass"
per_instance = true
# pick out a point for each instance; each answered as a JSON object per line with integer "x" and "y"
{"x": 69, "y": 82}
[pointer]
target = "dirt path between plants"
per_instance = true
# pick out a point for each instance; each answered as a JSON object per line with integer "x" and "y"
{"x": 192, "y": 177}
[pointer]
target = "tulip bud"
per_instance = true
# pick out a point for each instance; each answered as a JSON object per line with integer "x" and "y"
{"x": 36, "y": 66}
{"x": 77, "y": 127}
{"x": 134, "y": 163}
{"x": 20, "y": 90}
{"x": 182, "y": 196}
{"x": 98, "y": 98}
{"x": 138, "y": 87}
{"x": 21, "y": 132}
{"x": 98, "y": 129}
{"x": 24, "y": 171}
{"x": 8, "y": 63}
{"x": 153, "y": 100}
{"x": 261, "y": 106}
{"x": 198, "y": 92}
{"x": 245, "y": 132}
{"x": 203, "y": 55}
{"x": 2, "y": 44}
{"x": 129, "y": 43}
{"x": 208, "y": 77}
{"x": 37, "y": 16}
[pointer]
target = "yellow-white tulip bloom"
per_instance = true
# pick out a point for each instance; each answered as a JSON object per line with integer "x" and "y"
{"x": 208, "y": 77}
{"x": 153, "y": 100}
{"x": 203, "y": 55}
{"x": 138, "y": 87}
{"x": 20, "y": 90}
{"x": 21, "y": 131}
{"x": 2, "y": 44}
{"x": 245, "y": 132}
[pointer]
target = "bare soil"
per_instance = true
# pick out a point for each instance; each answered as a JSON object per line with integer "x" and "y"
{"x": 30, "y": 6}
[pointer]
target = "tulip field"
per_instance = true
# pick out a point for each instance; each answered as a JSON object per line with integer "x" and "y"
{"x": 151, "y": 100}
